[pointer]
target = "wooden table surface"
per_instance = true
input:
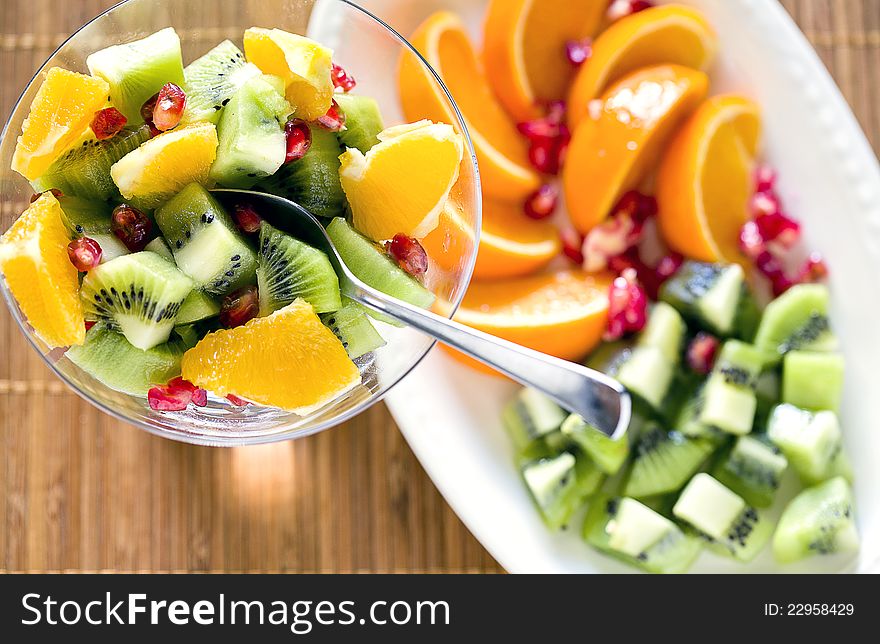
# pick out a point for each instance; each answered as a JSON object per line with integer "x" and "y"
{"x": 80, "y": 491}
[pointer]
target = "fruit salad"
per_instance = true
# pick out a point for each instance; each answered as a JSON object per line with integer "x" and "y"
{"x": 128, "y": 261}
{"x": 631, "y": 223}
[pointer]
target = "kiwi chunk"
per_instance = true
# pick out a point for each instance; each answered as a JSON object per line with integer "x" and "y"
{"x": 753, "y": 468}
{"x": 312, "y": 181}
{"x": 818, "y": 521}
{"x": 137, "y": 70}
{"x": 139, "y": 294}
{"x": 530, "y": 416}
{"x": 290, "y": 269}
{"x": 252, "y": 144}
{"x": 353, "y": 328}
{"x": 729, "y": 400}
{"x": 211, "y": 81}
{"x": 797, "y": 320}
{"x": 363, "y": 121}
{"x": 205, "y": 242}
{"x": 112, "y": 360}
{"x": 85, "y": 218}
{"x": 553, "y": 485}
{"x": 84, "y": 170}
{"x": 634, "y": 533}
{"x": 196, "y": 307}
{"x": 161, "y": 248}
{"x": 813, "y": 380}
{"x": 664, "y": 461}
{"x": 374, "y": 267}
{"x": 812, "y": 442}
{"x": 609, "y": 455}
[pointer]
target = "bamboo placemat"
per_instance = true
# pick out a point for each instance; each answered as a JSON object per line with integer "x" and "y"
{"x": 80, "y": 491}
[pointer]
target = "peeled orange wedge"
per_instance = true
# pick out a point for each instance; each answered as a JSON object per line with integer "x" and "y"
{"x": 33, "y": 258}
{"x": 60, "y": 113}
{"x": 524, "y": 49}
{"x": 671, "y": 34}
{"x": 501, "y": 151}
{"x": 402, "y": 183}
{"x": 562, "y": 313}
{"x": 288, "y": 360}
{"x": 451, "y": 242}
{"x": 613, "y": 152}
{"x": 302, "y": 63}
{"x": 705, "y": 179}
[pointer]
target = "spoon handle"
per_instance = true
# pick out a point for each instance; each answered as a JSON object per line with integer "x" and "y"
{"x": 601, "y": 401}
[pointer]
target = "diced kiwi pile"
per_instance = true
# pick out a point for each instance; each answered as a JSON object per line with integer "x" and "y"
{"x": 149, "y": 307}
{"x": 702, "y": 462}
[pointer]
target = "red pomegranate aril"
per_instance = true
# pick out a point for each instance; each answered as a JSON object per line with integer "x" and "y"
{"x": 765, "y": 179}
{"x": 701, "y": 353}
{"x": 299, "y": 139}
{"x": 240, "y": 307}
{"x": 751, "y": 243}
{"x": 627, "y": 306}
{"x": 763, "y": 204}
{"x": 669, "y": 265}
{"x": 814, "y": 269}
{"x": 639, "y": 206}
{"x": 334, "y": 119}
{"x": 778, "y": 228}
{"x": 247, "y": 219}
{"x": 200, "y": 397}
{"x": 107, "y": 123}
{"x": 166, "y": 398}
{"x": 544, "y": 156}
{"x": 622, "y": 8}
{"x": 235, "y": 400}
{"x": 408, "y": 253}
{"x": 89, "y": 324}
{"x": 148, "y": 107}
{"x": 542, "y": 203}
{"x": 55, "y": 192}
{"x": 342, "y": 79}
{"x": 539, "y": 130}
{"x": 84, "y": 253}
{"x": 572, "y": 243}
{"x": 774, "y": 271}
{"x": 579, "y": 51}
{"x": 131, "y": 226}
{"x": 169, "y": 107}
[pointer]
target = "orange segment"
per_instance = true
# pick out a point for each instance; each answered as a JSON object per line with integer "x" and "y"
{"x": 288, "y": 360}
{"x": 612, "y": 153}
{"x": 402, "y": 184}
{"x": 524, "y": 49}
{"x": 60, "y": 113}
{"x": 670, "y": 34}
{"x": 511, "y": 244}
{"x": 33, "y": 258}
{"x": 562, "y": 314}
{"x": 452, "y": 240}
{"x": 501, "y": 151}
{"x": 705, "y": 179}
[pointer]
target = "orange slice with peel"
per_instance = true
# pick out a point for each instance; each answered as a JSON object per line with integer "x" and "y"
{"x": 563, "y": 313}
{"x": 60, "y": 114}
{"x": 402, "y": 183}
{"x": 33, "y": 258}
{"x": 671, "y": 34}
{"x": 612, "y": 153}
{"x": 501, "y": 152}
{"x": 288, "y": 360}
{"x": 524, "y": 49}
{"x": 705, "y": 179}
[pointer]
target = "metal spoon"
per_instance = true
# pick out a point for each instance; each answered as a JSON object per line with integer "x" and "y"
{"x": 601, "y": 401}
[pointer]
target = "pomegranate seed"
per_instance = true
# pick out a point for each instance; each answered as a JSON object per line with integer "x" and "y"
{"x": 639, "y": 206}
{"x": 814, "y": 269}
{"x": 299, "y": 139}
{"x": 342, "y": 79}
{"x": 55, "y": 192}
{"x": 148, "y": 107}
{"x": 622, "y": 8}
{"x": 247, "y": 219}
{"x": 542, "y": 203}
{"x": 198, "y": 396}
{"x": 773, "y": 270}
{"x": 556, "y": 111}
{"x": 84, "y": 253}
{"x": 169, "y": 107}
{"x": 539, "y": 130}
{"x": 701, "y": 353}
{"x": 779, "y": 228}
{"x": 334, "y": 119}
{"x": 763, "y": 204}
{"x": 627, "y": 306}
{"x": 572, "y": 243}
{"x": 131, "y": 226}
{"x": 620, "y": 232}
{"x": 765, "y": 179}
{"x": 669, "y": 265}
{"x": 107, "y": 123}
{"x": 548, "y": 139}
{"x": 579, "y": 51}
{"x": 239, "y": 307}
{"x": 166, "y": 398}
{"x": 235, "y": 400}
{"x": 751, "y": 243}
{"x": 89, "y": 324}
{"x": 408, "y": 253}
{"x": 544, "y": 157}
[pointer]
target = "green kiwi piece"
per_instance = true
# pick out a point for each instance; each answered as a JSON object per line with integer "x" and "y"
{"x": 161, "y": 248}
{"x": 663, "y": 461}
{"x": 797, "y": 320}
{"x": 818, "y": 521}
{"x": 211, "y": 81}
{"x": 84, "y": 170}
{"x": 752, "y": 468}
{"x": 112, "y": 360}
{"x": 312, "y": 181}
{"x": 363, "y": 121}
{"x": 812, "y": 380}
{"x": 530, "y": 416}
{"x": 811, "y": 441}
{"x": 139, "y": 294}
{"x": 553, "y": 485}
{"x": 609, "y": 455}
{"x": 137, "y": 70}
{"x": 290, "y": 269}
{"x": 196, "y": 307}
{"x": 205, "y": 242}
{"x": 353, "y": 328}
{"x": 252, "y": 144}
{"x": 85, "y": 218}
{"x": 729, "y": 400}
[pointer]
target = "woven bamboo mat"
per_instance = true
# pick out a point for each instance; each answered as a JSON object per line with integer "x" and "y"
{"x": 79, "y": 491}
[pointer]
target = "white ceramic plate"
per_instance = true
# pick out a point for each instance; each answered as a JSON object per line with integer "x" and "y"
{"x": 829, "y": 177}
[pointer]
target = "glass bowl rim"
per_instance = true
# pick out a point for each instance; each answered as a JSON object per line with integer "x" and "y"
{"x": 279, "y": 433}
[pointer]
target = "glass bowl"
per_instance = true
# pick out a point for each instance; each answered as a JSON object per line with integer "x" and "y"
{"x": 367, "y": 48}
